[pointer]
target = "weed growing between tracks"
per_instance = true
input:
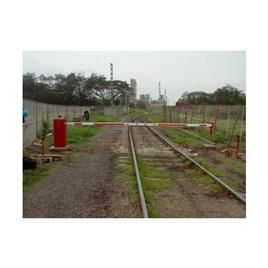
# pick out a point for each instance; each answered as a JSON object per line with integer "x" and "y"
{"x": 154, "y": 179}
{"x": 127, "y": 167}
{"x": 202, "y": 179}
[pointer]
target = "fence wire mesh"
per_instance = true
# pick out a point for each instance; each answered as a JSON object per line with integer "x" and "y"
{"x": 229, "y": 120}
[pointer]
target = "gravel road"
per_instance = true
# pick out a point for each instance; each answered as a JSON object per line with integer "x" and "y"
{"x": 89, "y": 185}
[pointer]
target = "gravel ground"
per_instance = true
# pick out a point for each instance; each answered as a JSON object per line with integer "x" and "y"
{"x": 89, "y": 185}
{"x": 185, "y": 198}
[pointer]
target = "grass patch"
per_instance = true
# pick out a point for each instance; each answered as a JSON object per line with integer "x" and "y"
{"x": 211, "y": 167}
{"x": 180, "y": 137}
{"x": 75, "y": 135}
{"x": 156, "y": 117}
{"x": 138, "y": 112}
{"x": 80, "y": 134}
{"x": 153, "y": 181}
{"x": 200, "y": 178}
{"x": 35, "y": 175}
{"x": 238, "y": 165}
{"x": 100, "y": 117}
{"x": 207, "y": 181}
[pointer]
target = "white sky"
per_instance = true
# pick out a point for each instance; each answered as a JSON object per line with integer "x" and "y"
{"x": 177, "y": 71}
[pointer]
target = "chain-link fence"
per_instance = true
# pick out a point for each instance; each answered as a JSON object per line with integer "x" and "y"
{"x": 229, "y": 120}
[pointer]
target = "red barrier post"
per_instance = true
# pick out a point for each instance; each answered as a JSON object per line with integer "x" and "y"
{"x": 60, "y": 133}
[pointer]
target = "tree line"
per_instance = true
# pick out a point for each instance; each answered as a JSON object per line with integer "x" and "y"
{"x": 74, "y": 89}
{"x": 227, "y": 95}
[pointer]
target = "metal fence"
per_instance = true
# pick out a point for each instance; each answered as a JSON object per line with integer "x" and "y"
{"x": 229, "y": 120}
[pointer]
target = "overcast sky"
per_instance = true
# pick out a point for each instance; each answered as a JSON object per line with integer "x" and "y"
{"x": 178, "y": 71}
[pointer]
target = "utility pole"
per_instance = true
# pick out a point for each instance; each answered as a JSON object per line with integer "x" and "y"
{"x": 111, "y": 72}
{"x": 111, "y": 79}
{"x": 159, "y": 87}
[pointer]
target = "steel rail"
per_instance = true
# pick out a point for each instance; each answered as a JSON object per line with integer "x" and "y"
{"x": 231, "y": 190}
{"x": 141, "y": 193}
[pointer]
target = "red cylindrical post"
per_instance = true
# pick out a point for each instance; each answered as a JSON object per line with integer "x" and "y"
{"x": 59, "y": 132}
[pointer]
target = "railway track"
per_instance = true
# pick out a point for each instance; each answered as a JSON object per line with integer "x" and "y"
{"x": 155, "y": 149}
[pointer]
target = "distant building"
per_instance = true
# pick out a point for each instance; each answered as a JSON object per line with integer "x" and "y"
{"x": 133, "y": 94}
{"x": 145, "y": 98}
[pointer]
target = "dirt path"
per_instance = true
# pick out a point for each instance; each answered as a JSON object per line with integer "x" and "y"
{"x": 88, "y": 185}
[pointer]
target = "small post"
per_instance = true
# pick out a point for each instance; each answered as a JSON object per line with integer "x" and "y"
{"x": 211, "y": 129}
{"x": 237, "y": 145}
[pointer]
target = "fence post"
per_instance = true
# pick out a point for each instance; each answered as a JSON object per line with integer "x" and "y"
{"x": 228, "y": 119}
{"x": 211, "y": 130}
{"x": 241, "y": 124}
{"x": 237, "y": 145}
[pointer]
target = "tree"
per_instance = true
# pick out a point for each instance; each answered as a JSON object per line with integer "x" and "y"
{"x": 74, "y": 89}
{"x": 226, "y": 95}
{"x": 29, "y": 85}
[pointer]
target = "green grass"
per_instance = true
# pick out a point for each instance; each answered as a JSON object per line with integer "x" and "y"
{"x": 35, "y": 175}
{"x": 81, "y": 134}
{"x": 200, "y": 178}
{"x": 209, "y": 166}
{"x": 128, "y": 169}
{"x": 206, "y": 180}
{"x": 100, "y": 117}
{"x": 135, "y": 112}
{"x": 180, "y": 137}
{"x": 152, "y": 117}
{"x": 219, "y": 135}
{"x": 153, "y": 181}
{"x": 75, "y": 136}
{"x": 238, "y": 165}
{"x": 156, "y": 117}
